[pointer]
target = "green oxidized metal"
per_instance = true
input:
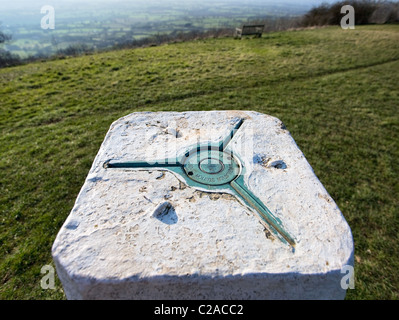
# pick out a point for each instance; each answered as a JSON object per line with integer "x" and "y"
{"x": 213, "y": 167}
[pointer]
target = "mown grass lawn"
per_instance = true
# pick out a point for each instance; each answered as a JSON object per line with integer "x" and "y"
{"x": 335, "y": 90}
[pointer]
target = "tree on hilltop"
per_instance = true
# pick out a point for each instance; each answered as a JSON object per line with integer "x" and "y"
{"x": 7, "y": 58}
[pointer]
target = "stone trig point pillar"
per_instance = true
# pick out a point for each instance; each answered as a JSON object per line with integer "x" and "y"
{"x": 202, "y": 205}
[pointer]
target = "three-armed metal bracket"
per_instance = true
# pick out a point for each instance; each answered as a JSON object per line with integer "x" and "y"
{"x": 213, "y": 167}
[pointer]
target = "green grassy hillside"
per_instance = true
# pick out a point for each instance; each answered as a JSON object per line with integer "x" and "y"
{"x": 337, "y": 91}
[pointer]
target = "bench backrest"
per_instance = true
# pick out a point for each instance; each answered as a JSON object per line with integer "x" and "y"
{"x": 252, "y": 29}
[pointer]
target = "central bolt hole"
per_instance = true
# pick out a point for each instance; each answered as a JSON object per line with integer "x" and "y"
{"x": 211, "y": 165}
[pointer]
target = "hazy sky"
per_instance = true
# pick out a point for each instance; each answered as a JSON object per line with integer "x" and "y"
{"x": 4, "y": 4}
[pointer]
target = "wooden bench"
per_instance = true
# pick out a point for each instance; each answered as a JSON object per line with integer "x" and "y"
{"x": 247, "y": 30}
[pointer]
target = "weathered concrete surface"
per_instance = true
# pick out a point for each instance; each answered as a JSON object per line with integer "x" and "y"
{"x": 146, "y": 235}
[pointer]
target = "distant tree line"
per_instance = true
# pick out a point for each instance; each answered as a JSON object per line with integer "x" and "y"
{"x": 7, "y": 59}
{"x": 366, "y": 12}
{"x": 175, "y": 36}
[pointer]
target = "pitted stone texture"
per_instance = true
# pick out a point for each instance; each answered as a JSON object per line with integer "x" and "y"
{"x": 136, "y": 234}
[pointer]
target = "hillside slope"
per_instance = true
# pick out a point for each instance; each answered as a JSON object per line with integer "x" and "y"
{"x": 336, "y": 91}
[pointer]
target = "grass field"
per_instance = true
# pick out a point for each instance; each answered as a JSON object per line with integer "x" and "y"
{"x": 335, "y": 90}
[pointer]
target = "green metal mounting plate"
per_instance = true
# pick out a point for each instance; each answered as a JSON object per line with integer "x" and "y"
{"x": 213, "y": 167}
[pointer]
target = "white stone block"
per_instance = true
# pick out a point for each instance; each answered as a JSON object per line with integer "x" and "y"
{"x": 146, "y": 234}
